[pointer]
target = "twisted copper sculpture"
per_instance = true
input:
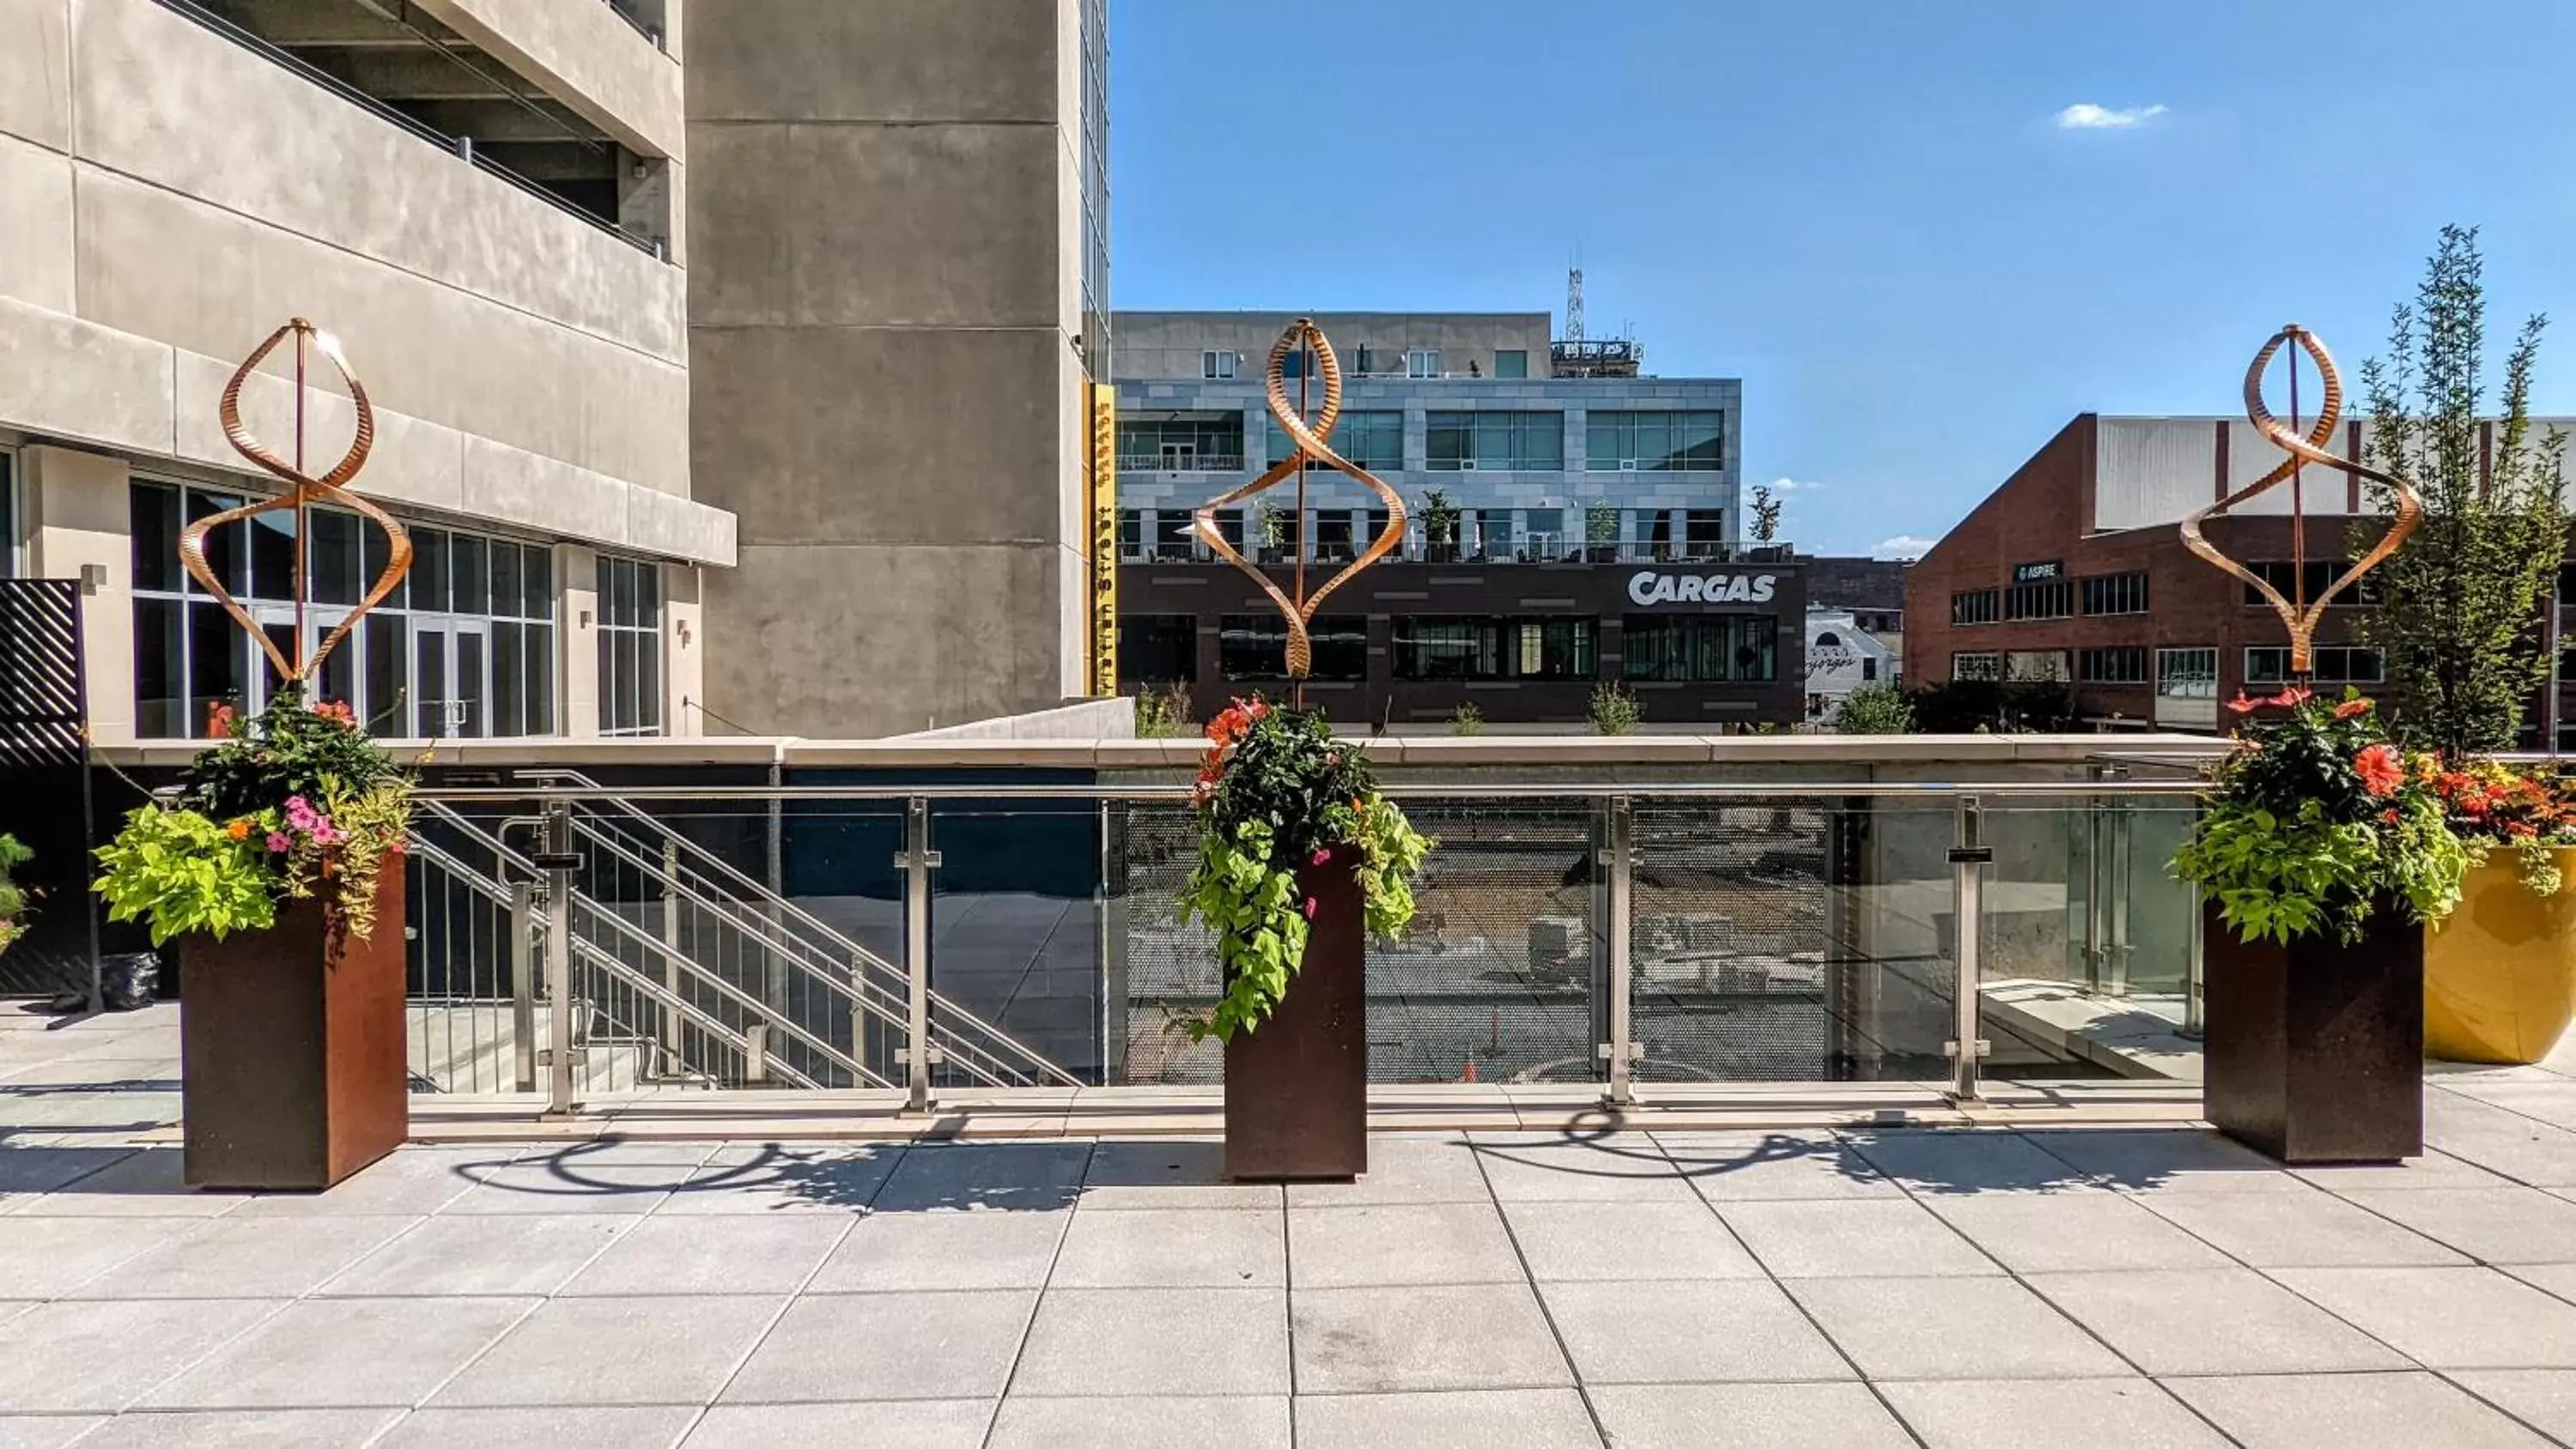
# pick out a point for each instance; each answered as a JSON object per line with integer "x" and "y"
{"x": 302, "y": 490}
{"x": 1307, "y": 445}
{"x": 2302, "y": 617}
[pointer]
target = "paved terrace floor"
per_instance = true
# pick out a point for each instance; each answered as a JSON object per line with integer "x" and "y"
{"x": 1862, "y": 1286}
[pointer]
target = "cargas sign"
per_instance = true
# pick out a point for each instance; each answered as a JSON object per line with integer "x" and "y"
{"x": 1655, "y": 588}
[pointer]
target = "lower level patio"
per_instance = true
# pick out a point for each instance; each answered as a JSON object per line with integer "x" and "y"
{"x": 1590, "y": 1283}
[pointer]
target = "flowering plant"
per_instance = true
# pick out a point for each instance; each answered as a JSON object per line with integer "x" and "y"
{"x": 1275, "y": 792}
{"x": 2316, "y": 818}
{"x": 2490, "y": 803}
{"x": 13, "y": 899}
{"x": 291, "y": 804}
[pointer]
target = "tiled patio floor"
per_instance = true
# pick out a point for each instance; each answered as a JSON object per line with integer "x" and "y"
{"x": 1853, "y": 1288}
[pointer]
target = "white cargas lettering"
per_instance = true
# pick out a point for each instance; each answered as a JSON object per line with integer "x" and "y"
{"x": 1690, "y": 588}
{"x": 1738, "y": 590}
{"x": 1762, "y": 589}
{"x": 1641, "y": 589}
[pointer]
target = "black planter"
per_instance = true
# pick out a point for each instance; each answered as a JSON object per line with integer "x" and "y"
{"x": 2315, "y": 1050}
{"x": 1296, "y": 1089}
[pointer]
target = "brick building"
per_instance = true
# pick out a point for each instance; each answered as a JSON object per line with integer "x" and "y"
{"x": 2075, "y": 569}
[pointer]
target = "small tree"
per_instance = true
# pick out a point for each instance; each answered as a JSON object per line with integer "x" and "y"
{"x": 1272, "y": 522}
{"x": 1614, "y": 711}
{"x": 2459, "y": 610}
{"x": 1440, "y": 525}
{"x": 1165, "y": 713}
{"x": 1766, "y": 514}
{"x": 1601, "y": 530}
{"x": 1874, "y": 709}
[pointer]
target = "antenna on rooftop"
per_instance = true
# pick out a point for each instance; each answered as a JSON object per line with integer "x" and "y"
{"x": 1574, "y": 301}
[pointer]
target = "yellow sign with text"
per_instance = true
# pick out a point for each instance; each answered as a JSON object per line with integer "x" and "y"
{"x": 1103, "y": 480}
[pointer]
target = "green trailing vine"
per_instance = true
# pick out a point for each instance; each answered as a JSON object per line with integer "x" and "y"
{"x": 1277, "y": 793}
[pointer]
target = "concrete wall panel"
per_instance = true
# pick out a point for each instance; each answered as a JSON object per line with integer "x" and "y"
{"x": 36, "y": 225}
{"x": 585, "y": 56}
{"x": 79, "y": 517}
{"x": 36, "y": 71}
{"x": 76, "y": 379}
{"x": 872, "y": 60}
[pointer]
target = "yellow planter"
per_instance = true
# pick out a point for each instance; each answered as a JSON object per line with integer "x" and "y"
{"x": 2500, "y": 974}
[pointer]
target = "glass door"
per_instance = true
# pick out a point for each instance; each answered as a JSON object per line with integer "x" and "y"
{"x": 337, "y": 679}
{"x": 451, "y": 678}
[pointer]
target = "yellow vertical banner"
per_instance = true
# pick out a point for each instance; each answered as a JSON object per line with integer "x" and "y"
{"x": 1103, "y": 475}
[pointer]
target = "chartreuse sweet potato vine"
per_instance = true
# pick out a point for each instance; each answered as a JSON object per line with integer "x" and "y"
{"x": 1277, "y": 792}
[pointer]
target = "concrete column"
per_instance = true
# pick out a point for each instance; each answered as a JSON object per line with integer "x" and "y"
{"x": 579, "y": 667}
{"x": 684, "y": 656}
{"x": 79, "y": 517}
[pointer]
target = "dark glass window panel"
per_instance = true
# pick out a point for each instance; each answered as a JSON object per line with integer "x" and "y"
{"x": 1511, "y": 362}
{"x": 537, "y": 569}
{"x": 470, "y": 696}
{"x": 1333, "y": 536}
{"x": 333, "y": 564}
{"x": 272, "y": 555}
{"x": 155, "y": 524}
{"x": 507, "y": 588}
{"x": 381, "y": 643}
{"x": 225, "y": 554}
{"x": 283, "y": 636}
{"x": 1252, "y": 646}
{"x": 429, "y": 684}
{"x": 335, "y": 677}
{"x": 607, "y": 685}
{"x": 429, "y": 570}
{"x": 1157, "y": 648}
{"x": 1340, "y": 646}
{"x": 648, "y": 689}
{"x": 469, "y": 584}
{"x": 541, "y": 679}
{"x": 218, "y": 663}
{"x": 160, "y": 699}
{"x": 648, "y": 596}
{"x": 1702, "y": 648}
{"x": 375, "y": 551}
{"x": 509, "y": 678}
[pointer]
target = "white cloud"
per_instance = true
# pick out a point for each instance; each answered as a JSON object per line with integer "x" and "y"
{"x": 2086, "y": 116}
{"x": 1793, "y": 485}
{"x": 1904, "y": 546}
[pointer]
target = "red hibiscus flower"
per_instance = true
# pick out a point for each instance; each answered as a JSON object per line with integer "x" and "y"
{"x": 2388, "y": 816}
{"x": 2351, "y": 707}
{"x": 2381, "y": 770}
{"x": 2291, "y": 698}
{"x": 2240, "y": 704}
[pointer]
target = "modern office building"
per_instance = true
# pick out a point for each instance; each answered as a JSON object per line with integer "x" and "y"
{"x": 1572, "y": 521}
{"x": 898, "y": 224}
{"x": 481, "y": 199}
{"x": 2074, "y": 570}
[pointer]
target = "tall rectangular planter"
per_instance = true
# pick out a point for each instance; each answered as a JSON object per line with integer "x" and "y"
{"x": 293, "y": 1072}
{"x": 1296, "y": 1089}
{"x": 2315, "y": 1050}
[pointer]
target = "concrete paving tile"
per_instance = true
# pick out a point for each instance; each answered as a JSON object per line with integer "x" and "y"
{"x": 553, "y": 1427}
{"x": 2446, "y": 1317}
{"x": 1743, "y": 1330}
{"x": 2303, "y": 1229}
{"x": 2545, "y": 1399}
{"x": 1867, "y": 1238}
{"x": 2131, "y": 1413}
{"x": 551, "y": 1190}
{"x": 47, "y": 1257}
{"x": 2005, "y": 1330}
{"x": 2502, "y": 1142}
{"x": 986, "y": 1177}
{"x": 2351, "y": 1411}
{"x": 622, "y": 1151}
{"x": 148, "y": 1183}
{"x": 1246, "y": 1421}
{"x": 1180, "y": 1341}
{"x": 43, "y": 1431}
{"x": 918, "y": 1346}
{"x": 1174, "y": 1173}
{"x": 2433, "y": 1169}
{"x": 2211, "y": 1321}
{"x": 616, "y": 1351}
{"x": 1623, "y": 1240}
{"x": 2073, "y": 1232}
{"x": 1774, "y": 1166}
{"x": 1369, "y": 1246}
{"x": 344, "y": 1353}
{"x": 42, "y": 1169}
{"x": 1930, "y": 1163}
{"x": 1362, "y": 1340}
{"x": 2554, "y": 1278}
{"x": 1452, "y": 1419}
{"x": 236, "y": 1429}
{"x": 1625, "y": 1167}
{"x": 2503, "y": 1224}
{"x": 772, "y": 1179}
{"x": 2553, "y": 1102}
{"x": 74, "y": 1356}
{"x": 1746, "y": 1416}
{"x": 411, "y": 1181}
{"x": 1403, "y": 1169}
{"x": 459, "y": 1256}
{"x": 1173, "y": 1248}
{"x": 879, "y": 1424}
{"x": 248, "y": 1258}
{"x": 888, "y": 1252}
{"x": 2165, "y": 1160}
{"x": 728, "y": 1254}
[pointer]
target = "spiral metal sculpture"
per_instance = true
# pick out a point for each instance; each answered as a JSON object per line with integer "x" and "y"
{"x": 303, "y": 490}
{"x": 1307, "y": 445}
{"x": 2302, "y": 615}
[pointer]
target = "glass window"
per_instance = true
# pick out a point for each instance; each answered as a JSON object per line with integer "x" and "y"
{"x": 1533, "y": 441}
{"x": 155, "y": 513}
{"x": 1173, "y": 542}
{"x": 1663, "y": 442}
{"x": 10, "y": 528}
{"x": 1703, "y": 532}
{"x": 1333, "y": 536}
{"x": 1131, "y": 534}
{"x": 272, "y": 555}
{"x": 1157, "y": 648}
{"x": 630, "y": 646}
{"x": 1372, "y": 438}
{"x": 2116, "y": 593}
{"x": 2187, "y": 673}
{"x": 332, "y": 565}
{"x": 1422, "y": 362}
{"x": 1255, "y": 646}
{"x": 1702, "y": 648}
{"x": 2120, "y": 664}
{"x": 2306, "y": 584}
{"x": 2335, "y": 664}
{"x": 1207, "y": 442}
{"x": 2040, "y": 599}
{"x": 2037, "y": 665}
{"x": 1511, "y": 362}
{"x": 1978, "y": 606}
{"x": 429, "y": 570}
{"x": 1487, "y": 648}
{"x": 1976, "y": 666}
{"x": 1216, "y": 364}
{"x": 160, "y": 672}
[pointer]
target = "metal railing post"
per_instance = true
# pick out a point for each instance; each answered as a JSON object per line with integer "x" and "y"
{"x": 917, "y": 861}
{"x": 671, "y": 1056}
{"x": 2191, "y": 980}
{"x": 1621, "y": 1050}
{"x": 1968, "y": 860}
{"x": 523, "y": 984}
{"x": 558, "y": 861}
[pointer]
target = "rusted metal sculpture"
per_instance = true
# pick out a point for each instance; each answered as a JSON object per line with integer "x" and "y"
{"x": 303, "y": 490}
{"x": 1308, "y": 446}
{"x": 2299, "y": 614}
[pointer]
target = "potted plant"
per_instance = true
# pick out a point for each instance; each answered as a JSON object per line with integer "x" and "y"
{"x": 1601, "y": 533}
{"x": 1300, "y": 861}
{"x": 2500, "y": 974}
{"x": 2321, "y": 855}
{"x": 276, "y": 864}
{"x": 1439, "y": 527}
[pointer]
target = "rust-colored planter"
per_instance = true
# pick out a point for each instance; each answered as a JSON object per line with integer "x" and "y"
{"x": 1296, "y": 1089}
{"x": 2315, "y": 1050}
{"x": 292, "y": 1064}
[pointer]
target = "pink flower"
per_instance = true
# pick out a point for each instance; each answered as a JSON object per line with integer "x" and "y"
{"x": 1321, "y": 855}
{"x": 1310, "y": 908}
{"x": 279, "y": 843}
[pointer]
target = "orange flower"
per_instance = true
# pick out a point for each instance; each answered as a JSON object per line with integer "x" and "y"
{"x": 2240, "y": 704}
{"x": 2292, "y": 697}
{"x": 2351, "y": 707}
{"x": 2388, "y": 816}
{"x": 2381, "y": 771}
{"x": 238, "y": 830}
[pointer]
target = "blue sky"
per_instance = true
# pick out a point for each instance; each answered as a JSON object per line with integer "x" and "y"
{"x": 1870, "y": 212}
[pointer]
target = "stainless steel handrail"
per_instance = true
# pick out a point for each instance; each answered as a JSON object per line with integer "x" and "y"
{"x": 1403, "y": 790}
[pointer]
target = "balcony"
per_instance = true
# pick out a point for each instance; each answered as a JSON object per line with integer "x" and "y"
{"x": 1180, "y": 463}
